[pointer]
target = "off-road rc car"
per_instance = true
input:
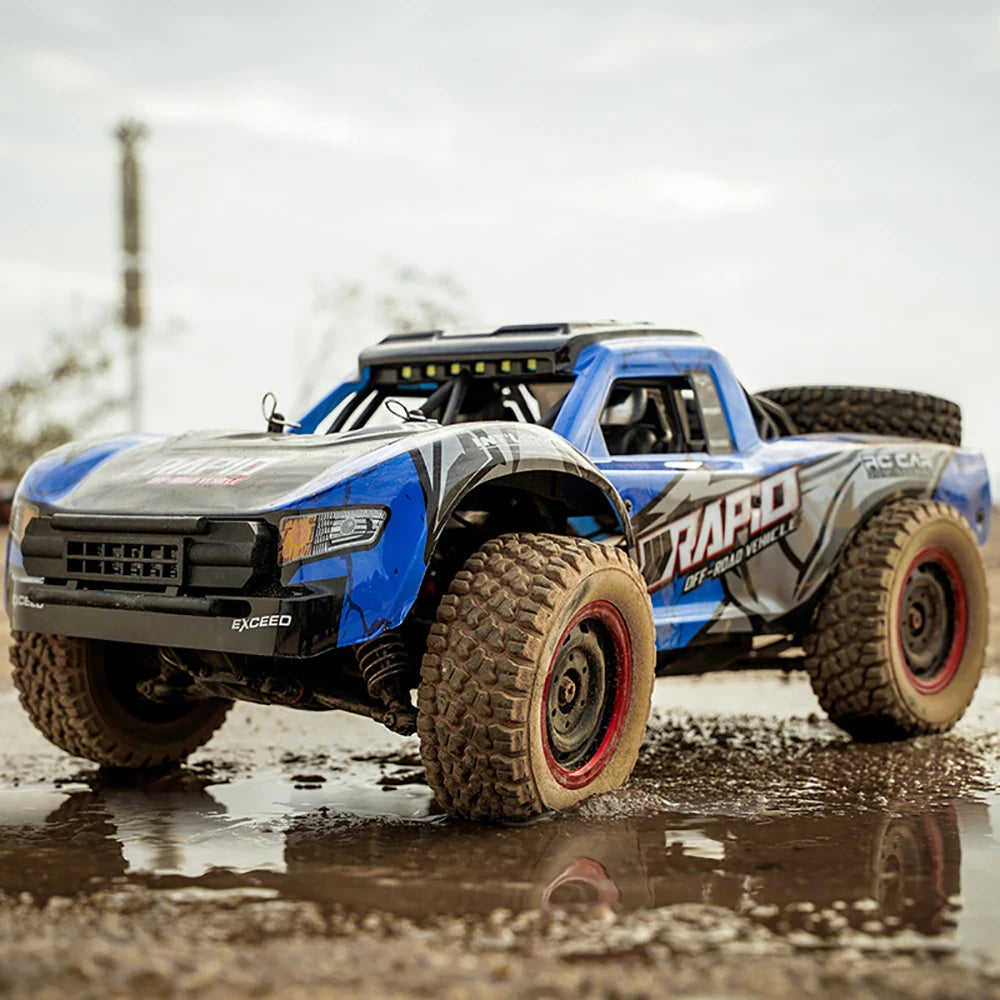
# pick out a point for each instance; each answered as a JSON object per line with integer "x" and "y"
{"x": 524, "y": 525}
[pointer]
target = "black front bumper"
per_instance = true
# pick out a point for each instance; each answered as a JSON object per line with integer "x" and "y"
{"x": 191, "y": 582}
{"x": 293, "y": 626}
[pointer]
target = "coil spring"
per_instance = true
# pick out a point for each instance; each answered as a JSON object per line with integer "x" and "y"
{"x": 385, "y": 666}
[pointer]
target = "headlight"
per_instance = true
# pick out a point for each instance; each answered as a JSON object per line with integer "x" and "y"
{"x": 21, "y": 515}
{"x": 347, "y": 529}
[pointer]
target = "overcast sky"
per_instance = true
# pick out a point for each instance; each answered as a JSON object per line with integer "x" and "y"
{"x": 811, "y": 186}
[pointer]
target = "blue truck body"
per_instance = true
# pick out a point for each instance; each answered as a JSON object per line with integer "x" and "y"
{"x": 734, "y": 539}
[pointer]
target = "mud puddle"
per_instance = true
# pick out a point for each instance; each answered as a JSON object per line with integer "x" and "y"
{"x": 775, "y": 817}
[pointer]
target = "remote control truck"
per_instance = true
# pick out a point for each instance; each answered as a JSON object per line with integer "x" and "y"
{"x": 524, "y": 526}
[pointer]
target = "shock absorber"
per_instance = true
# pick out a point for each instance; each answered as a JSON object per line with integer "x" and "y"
{"x": 385, "y": 666}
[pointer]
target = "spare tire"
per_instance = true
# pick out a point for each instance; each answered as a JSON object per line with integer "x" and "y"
{"x": 865, "y": 410}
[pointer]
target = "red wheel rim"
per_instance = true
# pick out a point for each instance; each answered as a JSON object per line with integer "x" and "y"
{"x": 939, "y": 565}
{"x": 614, "y": 714}
{"x": 591, "y": 876}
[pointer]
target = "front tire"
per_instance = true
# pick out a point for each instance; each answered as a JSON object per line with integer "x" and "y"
{"x": 899, "y": 640}
{"x": 536, "y": 685}
{"x": 81, "y": 695}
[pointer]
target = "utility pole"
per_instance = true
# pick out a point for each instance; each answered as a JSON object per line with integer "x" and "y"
{"x": 128, "y": 133}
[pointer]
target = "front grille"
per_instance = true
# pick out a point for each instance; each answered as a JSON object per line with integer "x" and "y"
{"x": 199, "y": 556}
{"x": 154, "y": 562}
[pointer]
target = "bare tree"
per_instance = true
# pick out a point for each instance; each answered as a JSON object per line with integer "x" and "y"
{"x": 63, "y": 398}
{"x": 395, "y": 298}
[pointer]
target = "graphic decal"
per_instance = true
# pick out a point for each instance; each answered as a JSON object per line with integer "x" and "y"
{"x": 837, "y": 493}
{"x": 205, "y": 470}
{"x": 889, "y": 464}
{"x": 723, "y": 551}
{"x": 722, "y": 534}
{"x": 264, "y": 621}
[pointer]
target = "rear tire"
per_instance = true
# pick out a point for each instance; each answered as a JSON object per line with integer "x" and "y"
{"x": 899, "y": 640}
{"x": 816, "y": 409}
{"x": 536, "y": 685}
{"x": 81, "y": 694}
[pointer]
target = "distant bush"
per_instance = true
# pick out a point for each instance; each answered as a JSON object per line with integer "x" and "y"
{"x": 56, "y": 400}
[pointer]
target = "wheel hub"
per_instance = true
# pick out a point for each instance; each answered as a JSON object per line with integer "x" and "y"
{"x": 585, "y": 700}
{"x": 578, "y": 693}
{"x": 926, "y": 634}
{"x": 931, "y": 620}
{"x": 567, "y": 692}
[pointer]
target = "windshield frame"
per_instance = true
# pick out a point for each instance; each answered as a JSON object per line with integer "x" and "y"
{"x": 441, "y": 402}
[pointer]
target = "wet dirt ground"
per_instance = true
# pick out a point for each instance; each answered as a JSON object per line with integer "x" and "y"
{"x": 755, "y": 853}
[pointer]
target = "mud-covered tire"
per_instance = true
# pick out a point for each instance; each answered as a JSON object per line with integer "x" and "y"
{"x": 819, "y": 409}
{"x": 81, "y": 695}
{"x": 525, "y": 609}
{"x": 899, "y": 638}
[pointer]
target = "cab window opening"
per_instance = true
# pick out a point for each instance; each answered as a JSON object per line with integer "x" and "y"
{"x": 653, "y": 417}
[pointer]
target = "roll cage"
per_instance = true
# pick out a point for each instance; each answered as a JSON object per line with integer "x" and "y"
{"x": 460, "y": 399}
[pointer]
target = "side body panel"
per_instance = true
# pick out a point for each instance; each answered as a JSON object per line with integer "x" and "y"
{"x": 739, "y": 540}
{"x": 738, "y": 546}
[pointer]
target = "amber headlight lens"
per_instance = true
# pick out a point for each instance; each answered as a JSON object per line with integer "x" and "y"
{"x": 347, "y": 529}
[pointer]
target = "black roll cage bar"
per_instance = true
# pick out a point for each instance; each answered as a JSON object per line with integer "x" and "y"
{"x": 448, "y": 395}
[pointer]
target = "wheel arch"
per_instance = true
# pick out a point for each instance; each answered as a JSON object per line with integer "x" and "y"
{"x": 559, "y": 492}
{"x": 801, "y": 620}
{"x": 538, "y": 496}
{"x": 878, "y": 504}
{"x": 488, "y": 467}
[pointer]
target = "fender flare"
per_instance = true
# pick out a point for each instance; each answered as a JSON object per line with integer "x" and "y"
{"x": 451, "y": 465}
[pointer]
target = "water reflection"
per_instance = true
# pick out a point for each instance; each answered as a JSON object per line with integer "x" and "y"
{"x": 181, "y": 832}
